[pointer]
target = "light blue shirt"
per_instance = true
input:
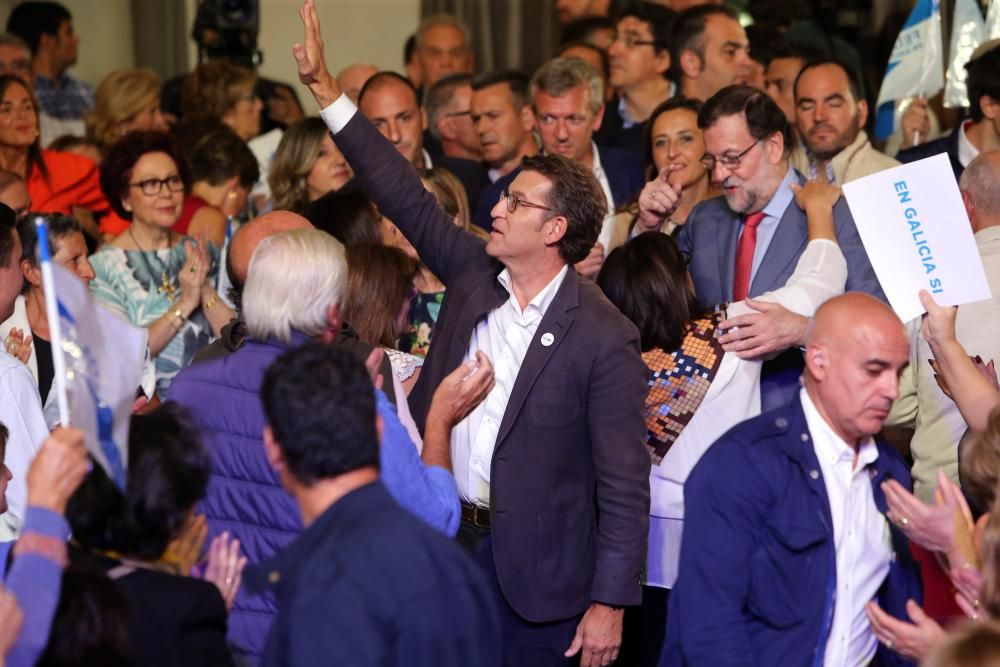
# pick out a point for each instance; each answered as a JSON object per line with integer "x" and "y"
{"x": 773, "y": 211}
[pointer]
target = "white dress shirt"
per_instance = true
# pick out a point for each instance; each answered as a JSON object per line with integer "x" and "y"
{"x": 608, "y": 225}
{"x": 21, "y": 413}
{"x": 504, "y": 335}
{"x": 860, "y": 533}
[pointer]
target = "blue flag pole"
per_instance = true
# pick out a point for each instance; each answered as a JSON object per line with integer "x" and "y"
{"x": 55, "y": 328}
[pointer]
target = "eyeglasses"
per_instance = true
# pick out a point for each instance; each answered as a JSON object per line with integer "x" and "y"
{"x": 631, "y": 41}
{"x": 513, "y": 201}
{"x": 728, "y": 161}
{"x": 153, "y": 186}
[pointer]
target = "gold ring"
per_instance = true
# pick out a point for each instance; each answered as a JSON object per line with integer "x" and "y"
{"x": 904, "y": 521}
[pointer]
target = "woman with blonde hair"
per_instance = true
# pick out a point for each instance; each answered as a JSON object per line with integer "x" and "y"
{"x": 227, "y": 92}
{"x": 306, "y": 166}
{"x": 125, "y": 100}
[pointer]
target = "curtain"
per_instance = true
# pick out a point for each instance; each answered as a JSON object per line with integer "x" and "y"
{"x": 521, "y": 34}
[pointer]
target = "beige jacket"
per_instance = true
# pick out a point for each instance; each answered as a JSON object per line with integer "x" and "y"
{"x": 856, "y": 161}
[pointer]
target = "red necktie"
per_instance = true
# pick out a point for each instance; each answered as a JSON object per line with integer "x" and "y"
{"x": 744, "y": 255}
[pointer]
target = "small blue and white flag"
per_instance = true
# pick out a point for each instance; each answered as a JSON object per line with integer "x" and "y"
{"x": 916, "y": 66}
{"x": 967, "y": 32}
{"x": 98, "y": 361}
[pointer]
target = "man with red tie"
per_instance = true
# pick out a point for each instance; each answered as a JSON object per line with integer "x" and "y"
{"x": 748, "y": 241}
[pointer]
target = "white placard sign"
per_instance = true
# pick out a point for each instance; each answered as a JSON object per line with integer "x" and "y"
{"x": 915, "y": 229}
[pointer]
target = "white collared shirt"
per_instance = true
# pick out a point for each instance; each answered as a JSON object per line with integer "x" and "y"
{"x": 504, "y": 335}
{"x": 860, "y": 533}
{"x": 607, "y": 227}
{"x": 967, "y": 151}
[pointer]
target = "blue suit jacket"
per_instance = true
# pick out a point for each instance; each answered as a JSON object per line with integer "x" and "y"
{"x": 369, "y": 584}
{"x": 712, "y": 233}
{"x": 948, "y": 144}
{"x": 757, "y": 569}
{"x": 624, "y": 172}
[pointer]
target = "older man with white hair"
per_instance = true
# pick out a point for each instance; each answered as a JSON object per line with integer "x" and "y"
{"x": 294, "y": 289}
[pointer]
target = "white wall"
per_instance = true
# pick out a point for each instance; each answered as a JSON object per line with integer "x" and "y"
{"x": 105, "y": 29}
{"x": 353, "y": 31}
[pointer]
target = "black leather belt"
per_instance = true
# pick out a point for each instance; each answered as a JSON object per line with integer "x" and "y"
{"x": 477, "y": 516}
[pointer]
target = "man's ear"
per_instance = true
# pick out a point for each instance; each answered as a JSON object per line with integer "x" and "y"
{"x": 862, "y": 114}
{"x": 691, "y": 64}
{"x": 557, "y": 230}
{"x": 989, "y": 106}
{"x": 275, "y": 457}
{"x": 333, "y": 321}
{"x": 423, "y": 118}
{"x": 598, "y": 118}
{"x": 663, "y": 61}
{"x": 527, "y": 118}
{"x": 816, "y": 361}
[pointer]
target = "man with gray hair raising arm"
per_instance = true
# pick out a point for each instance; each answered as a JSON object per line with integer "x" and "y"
{"x": 551, "y": 467}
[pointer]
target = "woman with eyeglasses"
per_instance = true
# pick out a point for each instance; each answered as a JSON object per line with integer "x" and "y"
{"x": 672, "y": 148}
{"x": 697, "y": 391}
{"x": 57, "y": 182}
{"x": 152, "y": 276}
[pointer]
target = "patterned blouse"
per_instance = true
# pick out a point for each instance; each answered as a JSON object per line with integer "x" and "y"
{"x": 678, "y": 382}
{"x": 130, "y": 282}
{"x": 424, "y": 309}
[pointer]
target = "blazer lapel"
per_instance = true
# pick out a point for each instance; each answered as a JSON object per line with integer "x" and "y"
{"x": 729, "y": 236}
{"x": 786, "y": 245}
{"x": 556, "y": 322}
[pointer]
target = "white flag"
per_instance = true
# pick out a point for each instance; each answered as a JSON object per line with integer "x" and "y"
{"x": 916, "y": 66}
{"x": 103, "y": 364}
{"x": 967, "y": 32}
{"x": 993, "y": 20}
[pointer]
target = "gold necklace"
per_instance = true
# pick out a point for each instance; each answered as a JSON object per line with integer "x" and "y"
{"x": 166, "y": 284}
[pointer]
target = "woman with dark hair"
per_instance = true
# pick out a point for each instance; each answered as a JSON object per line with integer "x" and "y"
{"x": 153, "y": 277}
{"x": 672, "y": 149}
{"x": 347, "y": 215}
{"x": 134, "y": 538}
{"x": 223, "y": 169}
{"x": 696, "y": 390}
{"x": 379, "y": 282}
{"x": 57, "y": 182}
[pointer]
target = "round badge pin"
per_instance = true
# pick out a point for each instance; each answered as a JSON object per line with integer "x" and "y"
{"x": 548, "y": 339}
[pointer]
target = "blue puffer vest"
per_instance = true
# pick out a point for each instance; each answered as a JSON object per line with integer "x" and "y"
{"x": 244, "y": 497}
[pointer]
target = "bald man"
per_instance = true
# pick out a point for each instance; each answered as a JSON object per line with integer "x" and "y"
{"x": 786, "y": 538}
{"x": 352, "y": 79}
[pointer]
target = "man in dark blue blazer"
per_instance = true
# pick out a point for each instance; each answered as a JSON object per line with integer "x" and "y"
{"x": 747, "y": 141}
{"x": 551, "y": 467}
{"x": 567, "y": 97}
{"x": 786, "y": 540}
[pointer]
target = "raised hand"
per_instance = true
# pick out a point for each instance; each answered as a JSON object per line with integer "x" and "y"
{"x": 311, "y": 61}
{"x": 657, "y": 201}
{"x": 18, "y": 345}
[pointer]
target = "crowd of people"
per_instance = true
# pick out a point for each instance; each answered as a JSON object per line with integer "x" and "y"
{"x": 582, "y": 365}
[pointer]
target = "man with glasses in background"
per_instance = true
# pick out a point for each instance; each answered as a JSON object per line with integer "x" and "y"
{"x": 551, "y": 467}
{"x": 747, "y": 241}
{"x": 639, "y": 65}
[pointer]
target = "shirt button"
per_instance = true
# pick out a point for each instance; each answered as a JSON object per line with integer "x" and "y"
{"x": 814, "y": 474}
